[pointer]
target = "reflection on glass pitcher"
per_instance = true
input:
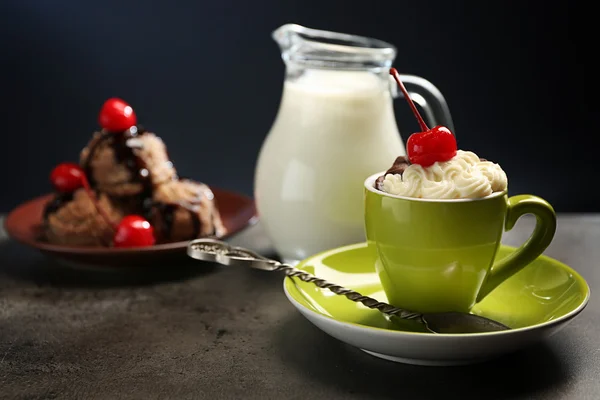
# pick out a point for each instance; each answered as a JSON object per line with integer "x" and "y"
{"x": 335, "y": 126}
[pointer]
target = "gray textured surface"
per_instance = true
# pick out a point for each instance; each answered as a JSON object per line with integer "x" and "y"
{"x": 211, "y": 332}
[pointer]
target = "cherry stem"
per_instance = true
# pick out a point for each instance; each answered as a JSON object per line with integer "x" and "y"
{"x": 396, "y": 76}
{"x": 90, "y": 192}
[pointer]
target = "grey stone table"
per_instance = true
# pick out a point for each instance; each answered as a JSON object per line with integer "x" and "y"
{"x": 203, "y": 331}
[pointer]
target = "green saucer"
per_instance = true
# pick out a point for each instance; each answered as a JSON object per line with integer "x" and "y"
{"x": 535, "y": 302}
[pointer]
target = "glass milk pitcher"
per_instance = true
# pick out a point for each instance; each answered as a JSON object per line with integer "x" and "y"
{"x": 334, "y": 128}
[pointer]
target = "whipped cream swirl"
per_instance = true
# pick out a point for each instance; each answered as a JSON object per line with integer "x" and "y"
{"x": 465, "y": 176}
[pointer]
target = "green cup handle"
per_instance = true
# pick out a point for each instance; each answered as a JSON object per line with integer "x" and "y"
{"x": 534, "y": 246}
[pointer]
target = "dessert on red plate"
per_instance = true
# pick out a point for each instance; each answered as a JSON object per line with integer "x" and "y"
{"x": 125, "y": 192}
{"x": 435, "y": 169}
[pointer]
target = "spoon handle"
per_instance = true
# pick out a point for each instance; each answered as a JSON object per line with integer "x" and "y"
{"x": 350, "y": 294}
{"x": 222, "y": 253}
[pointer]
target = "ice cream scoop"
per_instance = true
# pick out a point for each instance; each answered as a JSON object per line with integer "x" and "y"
{"x": 126, "y": 163}
{"x": 72, "y": 219}
{"x": 185, "y": 210}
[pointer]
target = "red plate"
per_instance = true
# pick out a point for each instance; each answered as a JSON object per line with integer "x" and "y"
{"x": 23, "y": 224}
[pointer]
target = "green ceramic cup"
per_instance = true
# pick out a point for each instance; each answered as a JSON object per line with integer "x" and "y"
{"x": 439, "y": 255}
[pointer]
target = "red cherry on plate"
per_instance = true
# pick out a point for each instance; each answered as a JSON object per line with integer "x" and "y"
{"x": 134, "y": 231}
{"x": 436, "y": 144}
{"x": 116, "y": 115}
{"x": 67, "y": 177}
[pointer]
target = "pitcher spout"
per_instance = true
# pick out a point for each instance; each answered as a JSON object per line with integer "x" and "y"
{"x": 327, "y": 49}
{"x": 284, "y": 35}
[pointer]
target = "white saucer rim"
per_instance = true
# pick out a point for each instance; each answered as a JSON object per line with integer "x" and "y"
{"x": 548, "y": 324}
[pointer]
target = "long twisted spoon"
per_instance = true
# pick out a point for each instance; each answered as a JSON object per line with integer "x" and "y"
{"x": 446, "y": 322}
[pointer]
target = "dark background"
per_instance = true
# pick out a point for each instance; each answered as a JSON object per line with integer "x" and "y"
{"x": 206, "y": 76}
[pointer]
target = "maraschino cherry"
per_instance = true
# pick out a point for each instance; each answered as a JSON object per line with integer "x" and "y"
{"x": 430, "y": 145}
{"x": 131, "y": 231}
{"x": 116, "y": 115}
{"x": 66, "y": 177}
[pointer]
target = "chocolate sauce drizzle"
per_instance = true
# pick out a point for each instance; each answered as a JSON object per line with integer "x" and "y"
{"x": 57, "y": 202}
{"x": 167, "y": 213}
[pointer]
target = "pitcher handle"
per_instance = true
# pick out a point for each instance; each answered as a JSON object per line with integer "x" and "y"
{"x": 428, "y": 97}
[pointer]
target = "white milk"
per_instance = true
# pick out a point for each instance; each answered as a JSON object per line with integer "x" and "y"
{"x": 332, "y": 131}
